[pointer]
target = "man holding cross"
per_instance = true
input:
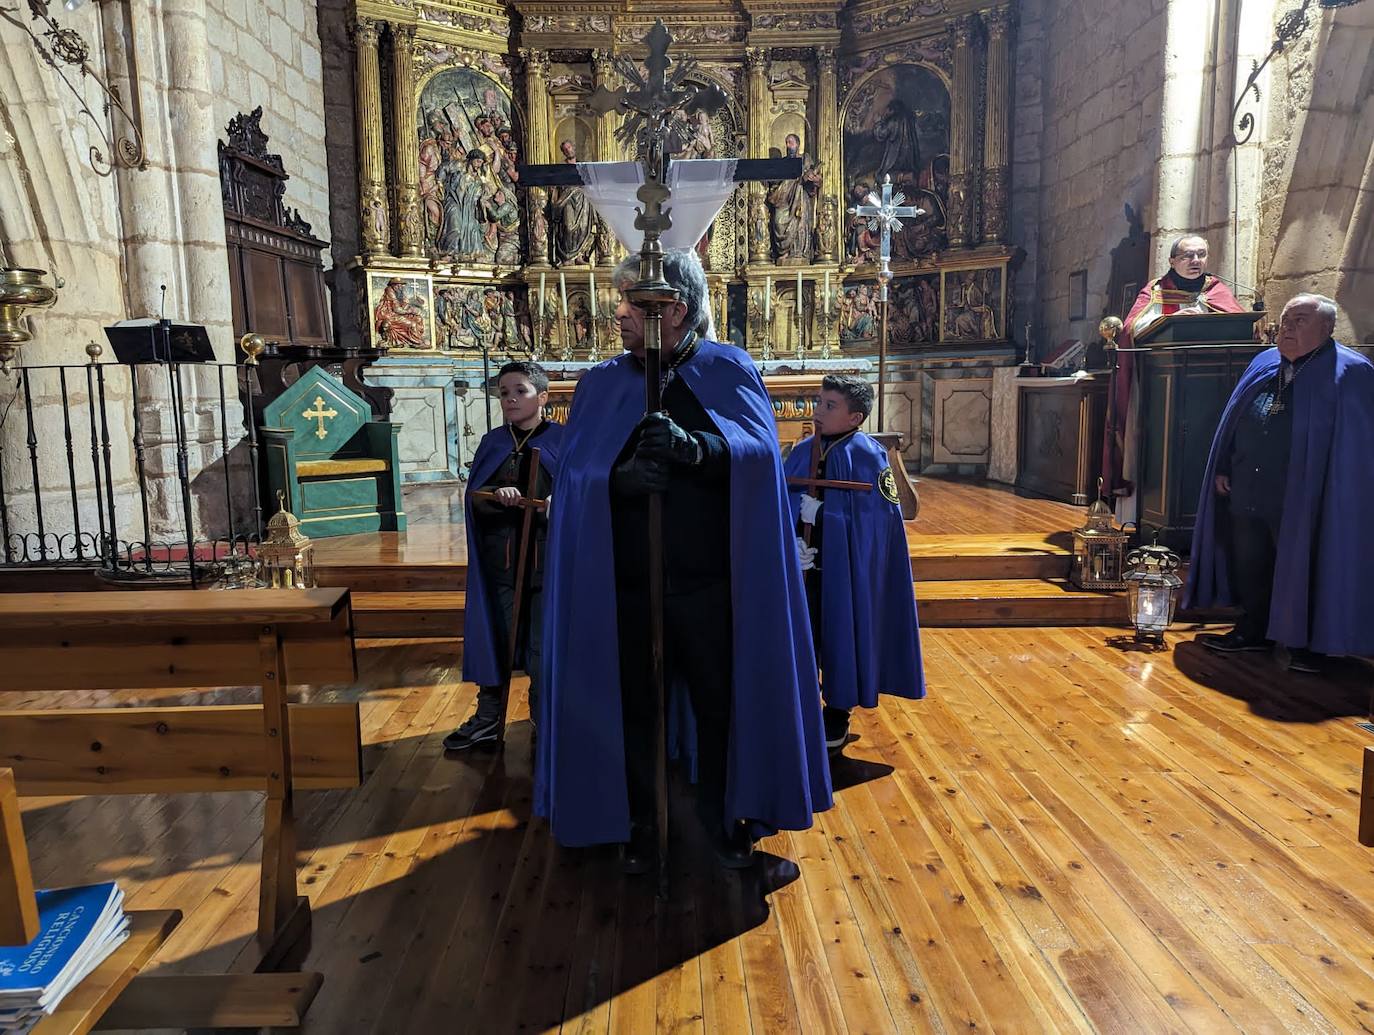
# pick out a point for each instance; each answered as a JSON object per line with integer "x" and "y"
{"x": 853, "y": 553}
{"x": 742, "y": 686}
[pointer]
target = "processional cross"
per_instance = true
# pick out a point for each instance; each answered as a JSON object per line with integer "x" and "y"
{"x": 650, "y": 102}
{"x": 885, "y": 214}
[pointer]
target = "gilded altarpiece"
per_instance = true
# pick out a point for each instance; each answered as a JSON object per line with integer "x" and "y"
{"x": 453, "y": 95}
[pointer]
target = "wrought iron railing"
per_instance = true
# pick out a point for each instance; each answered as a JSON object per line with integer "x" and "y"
{"x": 115, "y": 510}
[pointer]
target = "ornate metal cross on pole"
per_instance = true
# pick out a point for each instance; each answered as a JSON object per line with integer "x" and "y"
{"x": 885, "y": 214}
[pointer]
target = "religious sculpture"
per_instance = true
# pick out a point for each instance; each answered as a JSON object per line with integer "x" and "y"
{"x": 793, "y": 205}
{"x": 399, "y": 317}
{"x": 572, "y": 216}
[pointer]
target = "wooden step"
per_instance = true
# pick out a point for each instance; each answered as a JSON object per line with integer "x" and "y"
{"x": 421, "y": 614}
{"x": 400, "y": 577}
{"x": 1003, "y": 602}
{"x": 962, "y": 558}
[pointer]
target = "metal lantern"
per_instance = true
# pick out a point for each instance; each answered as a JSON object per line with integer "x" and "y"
{"x": 286, "y": 558}
{"x": 1098, "y": 548}
{"x": 1153, "y": 590}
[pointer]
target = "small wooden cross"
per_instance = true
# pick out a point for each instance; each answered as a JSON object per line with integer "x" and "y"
{"x": 320, "y": 413}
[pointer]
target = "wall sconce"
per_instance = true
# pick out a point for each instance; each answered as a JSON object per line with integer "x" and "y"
{"x": 64, "y": 49}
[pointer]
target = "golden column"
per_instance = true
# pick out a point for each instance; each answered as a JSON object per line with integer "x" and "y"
{"x": 540, "y": 146}
{"x": 367, "y": 86}
{"x": 828, "y": 152}
{"x": 961, "y": 186}
{"x": 756, "y": 68}
{"x": 997, "y": 128}
{"x": 410, "y": 238}
{"x": 604, "y": 74}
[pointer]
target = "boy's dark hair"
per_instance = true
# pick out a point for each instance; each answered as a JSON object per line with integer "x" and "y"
{"x": 537, "y": 375}
{"x": 857, "y": 392}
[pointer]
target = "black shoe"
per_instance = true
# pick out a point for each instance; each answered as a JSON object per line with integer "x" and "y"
{"x": 1234, "y": 642}
{"x": 735, "y": 850}
{"x": 477, "y": 730}
{"x": 1300, "y": 659}
{"x": 836, "y": 722}
{"x": 637, "y": 854}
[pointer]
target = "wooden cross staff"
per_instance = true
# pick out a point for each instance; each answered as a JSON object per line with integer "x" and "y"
{"x": 814, "y": 481}
{"x": 530, "y": 503}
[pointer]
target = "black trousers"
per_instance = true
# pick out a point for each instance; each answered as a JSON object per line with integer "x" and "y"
{"x": 531, "y": 629}
{"x": 698, "y": 642}
{"x": 1254, "y": 546}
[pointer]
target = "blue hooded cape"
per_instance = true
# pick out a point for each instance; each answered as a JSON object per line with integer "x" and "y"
{"x": 870, "y": 641}
{"x": 481, "y": 665}
{"x": 1324, "y": 574}
{"x": 777, "y": 770}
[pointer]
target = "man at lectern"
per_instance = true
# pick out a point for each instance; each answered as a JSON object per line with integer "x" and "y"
{"x": 1186, "y": 288}
{"x": 1282, "y": 523}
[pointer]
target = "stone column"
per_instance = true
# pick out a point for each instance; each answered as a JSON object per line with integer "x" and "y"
{"x": 961, "y": 199}
{"x": 828, "y": 152}
{"x": 409, "y": 236}
{"x": 997, "y": 127}
{"x": 539, "y": 146}
{"x": 367, "y": 86}
{"x": 756, "y": 68}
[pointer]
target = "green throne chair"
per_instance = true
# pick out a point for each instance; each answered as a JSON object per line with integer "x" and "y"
{"x": 336, "y": 466}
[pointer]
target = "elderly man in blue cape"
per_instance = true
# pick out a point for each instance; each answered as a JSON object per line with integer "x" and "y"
{"x": 737, "y": 639}
{"x": 1282, "y": 524}
{"x": 854, "y": 559}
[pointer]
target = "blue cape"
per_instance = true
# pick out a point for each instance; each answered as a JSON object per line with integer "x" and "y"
{"x": 481, "y": 665}
{"x": 778, "y": 773}
{"x": 1324, "y": 574}
{"x": 870, "y": 641}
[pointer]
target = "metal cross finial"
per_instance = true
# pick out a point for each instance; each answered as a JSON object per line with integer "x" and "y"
{"x": 886, "y": 213}
{"x": 649, "y": 102}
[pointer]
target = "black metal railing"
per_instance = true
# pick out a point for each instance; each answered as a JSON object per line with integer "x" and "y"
{"x": 128, "y": 519}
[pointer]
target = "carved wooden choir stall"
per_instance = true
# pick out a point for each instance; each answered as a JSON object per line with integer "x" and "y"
{"x": 76, "y": 642}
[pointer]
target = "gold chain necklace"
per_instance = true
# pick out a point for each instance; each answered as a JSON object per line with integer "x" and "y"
{"x": 521, "y": 442}
{"x": 826, "y": 451}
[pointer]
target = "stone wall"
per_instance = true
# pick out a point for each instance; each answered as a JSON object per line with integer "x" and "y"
{"x": 267, "y": 52}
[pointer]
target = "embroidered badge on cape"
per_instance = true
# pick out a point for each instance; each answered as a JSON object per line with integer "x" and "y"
{"x": 887, "y": 485}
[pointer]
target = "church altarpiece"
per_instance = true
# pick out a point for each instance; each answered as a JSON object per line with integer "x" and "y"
{"x": 461, "y": 263}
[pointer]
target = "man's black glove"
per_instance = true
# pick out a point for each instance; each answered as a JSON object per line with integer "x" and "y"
{"x": 662, "y": 440}
{"x": 639, "y": 476}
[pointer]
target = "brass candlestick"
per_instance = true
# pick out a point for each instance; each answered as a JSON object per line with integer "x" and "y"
{"x": 20, "y": 290}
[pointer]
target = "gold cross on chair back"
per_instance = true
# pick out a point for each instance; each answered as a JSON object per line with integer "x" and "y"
{"x": 320, "y": 413}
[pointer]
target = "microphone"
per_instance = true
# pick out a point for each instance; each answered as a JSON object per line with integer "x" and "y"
{"x": 162, "y": 309}
{"x": 1258, "y": 304}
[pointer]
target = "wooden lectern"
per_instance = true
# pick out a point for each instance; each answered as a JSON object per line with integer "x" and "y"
{"x": 1194, "y": 363}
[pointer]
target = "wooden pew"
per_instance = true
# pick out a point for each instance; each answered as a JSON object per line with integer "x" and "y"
{"x": 1366, "y": 831}
{"x": 188, "y": 639}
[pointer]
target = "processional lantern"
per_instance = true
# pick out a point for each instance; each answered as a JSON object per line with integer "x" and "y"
{"x": 1099, "y": 547}
{"x": 286, "y": 558}
{"x": 1154, "y": 585}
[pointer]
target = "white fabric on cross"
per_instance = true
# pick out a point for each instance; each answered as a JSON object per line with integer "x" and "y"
{"x": 700, "y": 187}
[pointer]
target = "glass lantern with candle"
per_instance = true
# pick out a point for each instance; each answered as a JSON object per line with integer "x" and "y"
{"x": 286, "y": 558}
{"x": 1098, "y": 548}
{"x": 1154, "y": 583}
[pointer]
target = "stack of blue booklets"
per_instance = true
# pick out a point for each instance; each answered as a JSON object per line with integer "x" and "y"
{"x": 77, "y": 929}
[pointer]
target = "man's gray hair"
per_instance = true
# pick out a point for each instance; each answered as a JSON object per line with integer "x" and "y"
{"x": 1178, "y": 243}
{"x": 682, "y": 270}
{"x": 1326, "y": 307}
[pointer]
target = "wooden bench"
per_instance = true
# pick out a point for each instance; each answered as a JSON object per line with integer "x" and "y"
{"x": 187, "y": 639}
{"x": 1367, "y": 800}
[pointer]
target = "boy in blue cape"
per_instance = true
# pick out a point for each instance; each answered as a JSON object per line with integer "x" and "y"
{"x": 856, "y": 563}
{"x": 736, "y": 630}
{"x": 501, "y": 466}
{"x": 1282, "y": 522}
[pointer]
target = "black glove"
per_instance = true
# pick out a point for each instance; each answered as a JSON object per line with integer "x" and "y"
{"x": 662, "y": 440}
{"x": 639, "y": 476}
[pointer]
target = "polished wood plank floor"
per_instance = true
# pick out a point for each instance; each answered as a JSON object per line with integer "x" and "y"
{"x": 948, "y": 508}
{"x": 1064, "y": 836}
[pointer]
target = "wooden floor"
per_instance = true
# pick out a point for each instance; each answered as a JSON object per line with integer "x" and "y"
{"x": 1066, "y": 835}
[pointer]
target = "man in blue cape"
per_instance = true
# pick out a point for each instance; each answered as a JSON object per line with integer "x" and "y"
{"x": 1282, "y": 523}
{"x": 855, "y": 561}
{"x": 736, "y": 632}
{"x": 501, "y": 467}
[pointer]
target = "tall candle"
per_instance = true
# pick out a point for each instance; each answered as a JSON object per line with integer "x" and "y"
{"x": 827, "y": 292}
{"x": 768, "y": 297}
{"x": 799, "y": 297}
{"x": 563, "y": 291}
{"x": 593, "y": 293}
{"x": 541, "y": 295}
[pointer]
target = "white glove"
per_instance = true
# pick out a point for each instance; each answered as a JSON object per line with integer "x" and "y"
{"x": 805, "y": 554}
{"x": 810, "y": 507}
